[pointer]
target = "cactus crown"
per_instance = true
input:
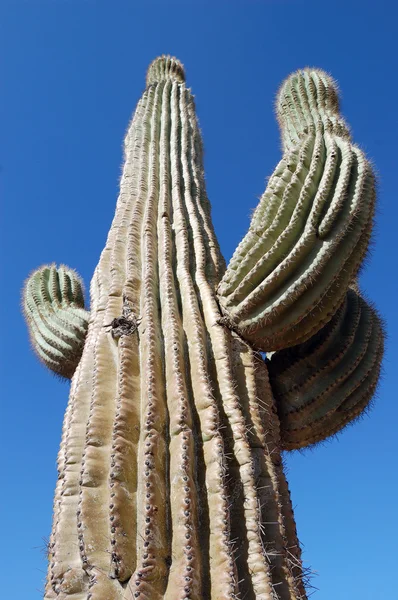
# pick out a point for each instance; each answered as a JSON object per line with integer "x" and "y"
{"x": 306, "y": 102}
{"x": 165, "y": 67}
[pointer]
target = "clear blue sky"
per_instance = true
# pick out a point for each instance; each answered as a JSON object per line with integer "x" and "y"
{"x": 72, "y": 72}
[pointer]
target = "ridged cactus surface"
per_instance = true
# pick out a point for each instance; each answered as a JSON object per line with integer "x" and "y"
{"x": 170, "y": 477}
{"x": 310, "y": 231}
{"x": 323, "y": 384}
{"x": 53, "y": 305}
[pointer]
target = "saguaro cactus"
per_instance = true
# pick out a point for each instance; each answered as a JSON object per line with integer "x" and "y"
{"x": 170, "y": 474}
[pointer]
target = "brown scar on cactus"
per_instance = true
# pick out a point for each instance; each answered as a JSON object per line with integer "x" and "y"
{"x": 126, "y": 324}
{"x": 170, "y": 475}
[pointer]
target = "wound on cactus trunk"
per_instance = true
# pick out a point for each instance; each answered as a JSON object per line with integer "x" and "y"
{"x": 171, "y": 483}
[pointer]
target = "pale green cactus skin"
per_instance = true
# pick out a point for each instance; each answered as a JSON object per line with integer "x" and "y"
{"x": 171, "y": 483}
{"x": 325, "y": 383}
{"x": 310, "y": 231}
{"x": 53, "y": 304}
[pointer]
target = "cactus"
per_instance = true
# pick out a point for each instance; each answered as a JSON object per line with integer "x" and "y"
{"x": 323, "y": 384}
{"x": 170, "y": 481}
{"x": 53, "y": 304}
{"x": 310, "y": 231}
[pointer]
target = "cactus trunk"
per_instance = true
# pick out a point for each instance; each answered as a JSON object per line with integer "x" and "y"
{"x": 170, "y": 477}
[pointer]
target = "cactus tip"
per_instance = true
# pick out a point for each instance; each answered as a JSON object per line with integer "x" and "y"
{"x": 310, "y": 87}
{"x": 165, "y": 67}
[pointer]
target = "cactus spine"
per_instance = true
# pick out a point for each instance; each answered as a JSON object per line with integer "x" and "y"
{"x": 170, "y": 482}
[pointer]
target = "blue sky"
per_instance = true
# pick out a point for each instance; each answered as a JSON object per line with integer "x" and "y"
{"x": 72, "y": 73}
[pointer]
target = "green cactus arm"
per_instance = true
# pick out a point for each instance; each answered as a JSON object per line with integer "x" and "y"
{"x": 325, "y": 383}
{"x": 310, "y": 232}
{"x": 161, "y": 461}
{"x": 53, "y": 306}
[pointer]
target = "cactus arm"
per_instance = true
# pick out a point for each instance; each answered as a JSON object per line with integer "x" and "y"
{"x": 323, "y": 384}
{"x": 53, "y": 306}
{"x": 311, "y": 229}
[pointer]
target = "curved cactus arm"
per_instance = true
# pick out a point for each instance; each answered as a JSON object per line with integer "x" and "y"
{"x": 325, "y": 383}
{"x": 53, "y": 305}
{"x": 310, "y": 232}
